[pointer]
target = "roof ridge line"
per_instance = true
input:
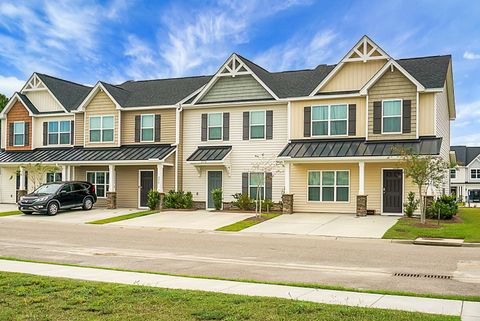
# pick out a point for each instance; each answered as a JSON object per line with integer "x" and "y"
{"x": 61, "y": 79}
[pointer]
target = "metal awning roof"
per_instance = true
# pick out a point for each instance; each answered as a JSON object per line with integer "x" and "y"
{"x": 321, "y": 148}
{"x": 209, "y": 154}
{"x": 81, "y": 154}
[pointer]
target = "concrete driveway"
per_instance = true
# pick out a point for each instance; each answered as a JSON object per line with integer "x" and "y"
{"x": 343, "y": 225}
{"x": 199, "y": 220}
{"x": 74, "y": 216}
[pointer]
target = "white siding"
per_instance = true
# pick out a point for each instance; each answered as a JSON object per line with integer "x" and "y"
{"x": 3, "y": 134}
{"x": 38, "y": 129}
{"x": 243, "y": 151}
{"x": 236, "y": 88}
{"x": 443, "y": 130}
{"x": 43, "y": 101}
{"x": 8, "y": 186}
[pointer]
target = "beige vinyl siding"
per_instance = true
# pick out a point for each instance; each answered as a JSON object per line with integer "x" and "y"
{"x": 235, "y": 88}
{"x": 101, "y": 105}
{"x": 38, "y": 129}
{"x": 353, "y": 75}
{"x": 43, "y": 101}
{"x": 243, "y": 152}
{"x": 297, "y": 114}
{"x": 81, "y": 175}
{"x": 169, "y": 174}
{"x": 167, "y": 127}
{"x": 426, "y": 117}
{"x": 79, "y": 129}
{"x": 392, "y": 85}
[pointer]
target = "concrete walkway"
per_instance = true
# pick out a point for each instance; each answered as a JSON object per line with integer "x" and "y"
{"x": 470, "y": 311}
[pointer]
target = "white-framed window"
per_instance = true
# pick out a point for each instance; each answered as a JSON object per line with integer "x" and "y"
{"x": 101, "y": 129}
{"x": 19, "y": 133}
{"x": 100, "y": 180}
{"x": 215, "y": 126}
{"x": 329, "y": 186}
{"x": 59, "y": 132}
{"x": 147, "y": 128}
{"x": 392, "y": 116}
{"x": 453, "y": 173}
{"x": 54, "y": 177}
{"x": 257, "y": 124}
{"x": 330, "y": 120}
{"x": 475, "y": 173}
{"x": 256, "y": 182}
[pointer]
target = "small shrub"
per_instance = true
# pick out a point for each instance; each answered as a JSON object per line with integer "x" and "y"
{"x": 178, "y": 200}
{"x": 153, "y": 199}
{"x": 446, "y": 205}
{"x": 267, "y": 205}
{"x": 243, "y": 202}
{"x": 217, "y": 196}
{"x": 411, "y": 205}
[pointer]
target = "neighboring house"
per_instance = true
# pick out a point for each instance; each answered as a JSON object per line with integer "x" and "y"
{"x": 465, "y": 177}
{"x": 334, "y": 127}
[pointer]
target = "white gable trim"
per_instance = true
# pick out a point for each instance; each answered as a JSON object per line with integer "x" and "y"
{"x": 36, "y": 80}
{"x": 98, "y": 87}
{"x": 391, "y": 64}
{"x": 236, "y": 70}
{"x": 473, "y": 160}
{"x": 12, "y": 102}
{"x": 363, "y": 56}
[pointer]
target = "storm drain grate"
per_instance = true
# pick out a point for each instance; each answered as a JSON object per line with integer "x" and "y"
{"x": 421, "y": 275}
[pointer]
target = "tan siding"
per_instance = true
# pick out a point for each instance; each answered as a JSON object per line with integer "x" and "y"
{"x": 101, "y": 105}
{"x": 426, "y": 117}
{"x": 236, "y": 88}
{"x": 167, "y": 127}
{"x": 353, "y": 75}
{"x": 81, "y": 175}
{"x": 392, "y": 85}
{"x": 79, "y": 129}
{"x": 38, "y": 129}
{"x": 43, "y": 101}
{"x": 297, "y": 114}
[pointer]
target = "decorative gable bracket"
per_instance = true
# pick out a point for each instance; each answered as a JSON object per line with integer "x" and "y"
{"x": 34, "y": 84}
{"x": 365, "y": 50}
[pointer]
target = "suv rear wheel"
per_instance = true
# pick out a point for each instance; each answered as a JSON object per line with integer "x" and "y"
{"x": 87, "y": 204}
{"x": 52, "y": 208}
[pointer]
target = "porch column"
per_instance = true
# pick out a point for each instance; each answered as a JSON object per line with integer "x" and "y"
{"x": 112, "y": 194}
{"x": 21, "y": 188}
{"x": 64, "y": 173}
{"x": 73, "y": 173}
{"x": 160, "y": 184}
{"x": 287, "y": 178}
{"x": 361, "y": 197}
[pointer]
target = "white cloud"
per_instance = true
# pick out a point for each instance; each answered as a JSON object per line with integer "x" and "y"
{"x": 8, "y": 85}
{"x": 469, "y": 140}
{"x": 470, "y": 55}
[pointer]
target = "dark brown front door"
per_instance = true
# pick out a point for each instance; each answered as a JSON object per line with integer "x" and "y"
{"x": 146, "y": 184}
{"x": 392, "y": 191}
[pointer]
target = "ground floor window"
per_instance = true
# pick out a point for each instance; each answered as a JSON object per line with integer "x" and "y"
{"x": 328, "y": 186}
{"x": 54, "y": 177}
{"x": 256, "y": 183}
{"x": 100, "y": 181}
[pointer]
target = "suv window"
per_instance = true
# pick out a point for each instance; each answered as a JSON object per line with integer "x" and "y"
{"x": 66, "y": 188}
{"x": 78, "y": 187}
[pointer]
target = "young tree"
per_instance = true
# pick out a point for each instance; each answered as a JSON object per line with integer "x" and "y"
{"x": 425, "y": 171}
{"x": 264, "y": 164}
{"x": 3, "y": 101}
{"x": 37, "y": 172}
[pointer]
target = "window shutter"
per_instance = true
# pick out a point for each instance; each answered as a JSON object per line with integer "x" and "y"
{"x": 204, "y": 127}
{"x": 10, "y": 136}
{"x": 45, "y": 133}
{"x": 27, "y": 135}
{"x": 377, "y": 117}
{"x": 245, "y": 183}
{"x": 158, "y": 127}
{"x": 352, "y": 120}
{"x": 137, "y": 128}
{"x": 407, "y": 116}
{"x": 72, "y": 132}
{"x": 269, "y": 122}
{"x": 307, "y": 121}
{"x": 226, "y": 126}
{"x": 268, "y": 186}
{"x": 246, "y": 125}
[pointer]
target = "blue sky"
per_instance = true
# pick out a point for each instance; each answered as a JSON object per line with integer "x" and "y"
{"x": 117, "y": 40}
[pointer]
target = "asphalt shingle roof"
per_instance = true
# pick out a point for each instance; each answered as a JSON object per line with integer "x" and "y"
{"x": 465, "y": 155}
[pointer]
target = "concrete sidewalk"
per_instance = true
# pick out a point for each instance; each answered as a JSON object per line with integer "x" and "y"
{"x": 469, "y": 311}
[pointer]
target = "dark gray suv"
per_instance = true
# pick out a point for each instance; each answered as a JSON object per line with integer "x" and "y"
{"x": 53, "y": 197}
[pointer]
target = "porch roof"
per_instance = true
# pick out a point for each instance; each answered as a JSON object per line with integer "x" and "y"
{"x": 81, "y": 154}
{"x": 209, "y": 153}
{"x": 358, "y": 147}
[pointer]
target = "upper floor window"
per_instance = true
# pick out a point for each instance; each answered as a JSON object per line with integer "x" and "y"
{"x": 329, "y": 120}
{"x": 392, "y": 116}
{"x": 453, "y": 173}
{"x": 101, "y": 129}
{"x": 256, "y": 185}
{"x": 215, "y": 126}
{"x": 147, "y": 124}
{"x": 257, "y": 124}
{"x": 475, "y": 173}
{"x": 59, "y": 132}
{"x": 329, "y": 186}
{"x": 19, "y": 133}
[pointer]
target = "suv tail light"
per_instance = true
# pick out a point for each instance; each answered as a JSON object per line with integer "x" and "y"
{"x": 92, "y": 187}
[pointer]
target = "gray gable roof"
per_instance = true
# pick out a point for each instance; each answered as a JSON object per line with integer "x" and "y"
{"x": 68, "y": 93}
{"x": 465, "y": 155}
{"x": 431, "y": 72}
{"x": 28, "y": 103}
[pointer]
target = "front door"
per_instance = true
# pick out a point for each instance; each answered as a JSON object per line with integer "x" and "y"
{"x": 146, "y": 185}
{"x": 214, "y": 181}
{"x": 392, "y": 191}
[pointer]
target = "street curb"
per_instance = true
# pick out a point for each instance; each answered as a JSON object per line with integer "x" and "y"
{"x": 471, "y": 245}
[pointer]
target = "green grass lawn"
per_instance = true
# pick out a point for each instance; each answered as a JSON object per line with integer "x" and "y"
{"x": 251, "y": 221}
{"x": 10, "y": 213}
{"x": 122, "y": 217}
{"x": 28, "y": 297}
{"x": 469, "y": 229}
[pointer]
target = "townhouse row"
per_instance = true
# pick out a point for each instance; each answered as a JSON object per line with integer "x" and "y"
{"x": 321, "y": 140}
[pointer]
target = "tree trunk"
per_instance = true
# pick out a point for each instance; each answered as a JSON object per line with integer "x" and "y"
{"x": 422, "y": 206}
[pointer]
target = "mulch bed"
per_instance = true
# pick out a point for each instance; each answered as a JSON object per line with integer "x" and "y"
{"x": 258, "y": 219}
